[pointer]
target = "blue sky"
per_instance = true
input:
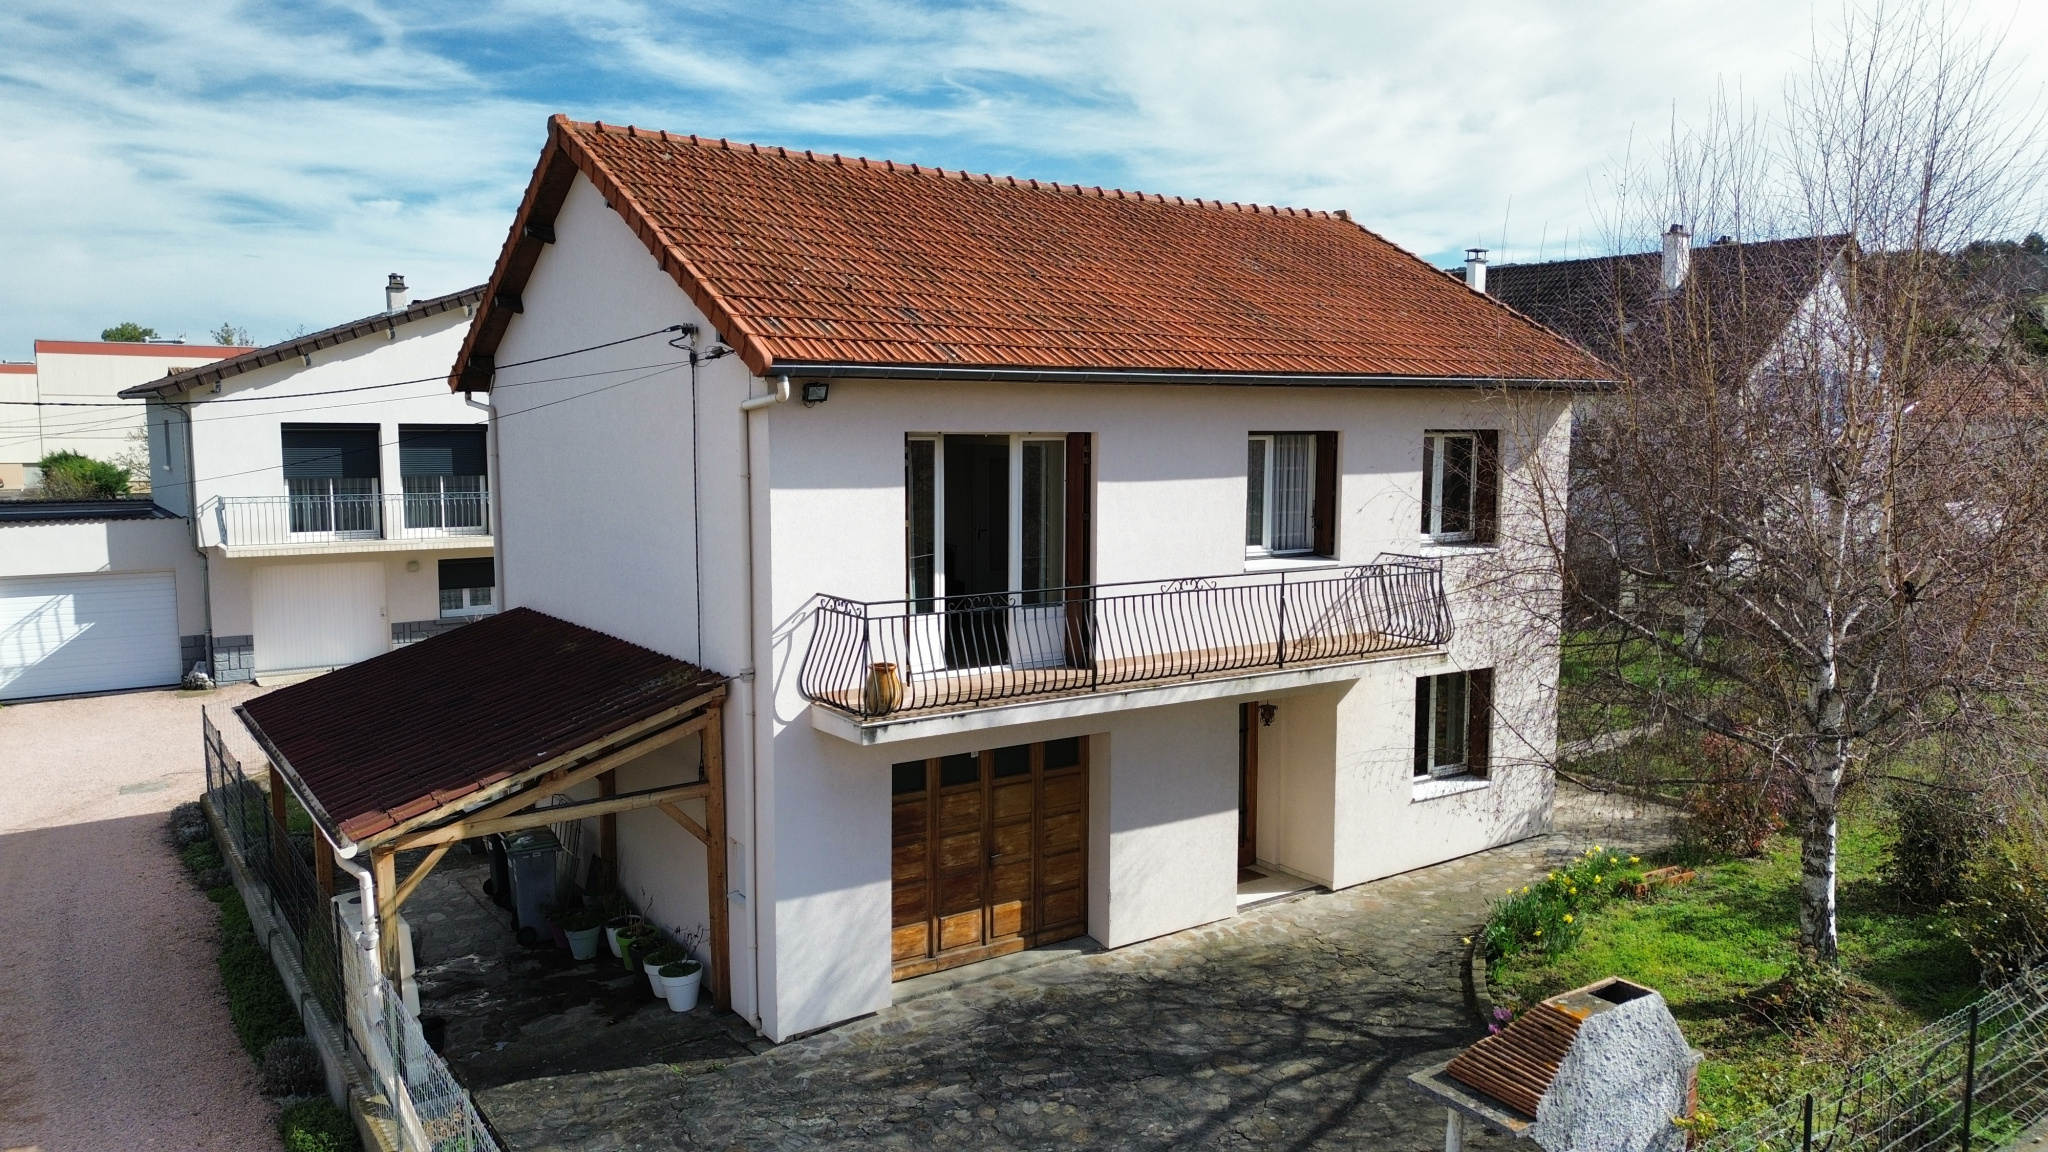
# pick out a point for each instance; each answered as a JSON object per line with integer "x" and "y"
{"x": 183, "y": 162}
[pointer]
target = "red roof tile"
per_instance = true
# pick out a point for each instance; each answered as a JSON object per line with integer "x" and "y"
{"x": 800, "y": 258}
{"x": 407, "y": 732}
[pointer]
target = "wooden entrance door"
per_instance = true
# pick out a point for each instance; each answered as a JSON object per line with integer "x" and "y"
{"x": 990, "y": 854}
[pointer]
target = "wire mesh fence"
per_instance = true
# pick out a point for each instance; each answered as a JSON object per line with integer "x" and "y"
{"x": 430, "y": 1108}
{"x": 1972, "y": 1080}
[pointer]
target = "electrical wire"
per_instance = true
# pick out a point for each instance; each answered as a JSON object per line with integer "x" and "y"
{"x": 339, "y": 391}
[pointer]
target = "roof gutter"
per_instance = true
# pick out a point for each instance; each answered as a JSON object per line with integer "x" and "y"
{"x": 831, "y": 370}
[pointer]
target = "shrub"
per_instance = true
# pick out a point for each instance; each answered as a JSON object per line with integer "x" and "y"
{"x": 291, "y": 1067}
{"x": 1738, "y": 808}
{"x": 1808, "y": 992}
{"x": 72, "y": 476}
{"x": 316, "y": 1125}
{"x": 260, "y": 1007}
{"x": 1939, "y": 835}
{"x": 188, "y": 825}
{"x": 2001, "y": 911}
{"x": 1548, "y": 916}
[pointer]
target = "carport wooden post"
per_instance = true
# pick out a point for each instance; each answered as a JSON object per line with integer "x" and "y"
{"x": 714, "y": 856}
{"x": 384, "y": 868}
{"x": 323, "y": 865}
{"x": 608, "y": 830}
{"x": 280, "y": 842}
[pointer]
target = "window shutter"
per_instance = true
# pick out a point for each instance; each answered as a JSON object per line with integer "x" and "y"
{"x": 330, "y": 451}
{"x": 441, "y": 451}
{"x": 1486, "y": 486}
{"x": 1428, "y": 482}
{"x": 1080, "y": 505}
{"x": 1324, "y": 512}
{"x": 478, "y": 572}
{"x": 1422, "y": 725}
{"x": 1479, "y": 721}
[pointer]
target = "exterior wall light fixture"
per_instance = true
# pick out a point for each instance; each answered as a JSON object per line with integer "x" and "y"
{"x": 816, "y": 392}
{"x": 1267, "y": 712}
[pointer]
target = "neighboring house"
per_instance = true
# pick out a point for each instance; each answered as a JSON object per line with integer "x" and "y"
{"x": 338, "y": 491}
{"x": 75, "y": 386}
{"x": 96, "y": 596}
{"x": 1068, "y": 557}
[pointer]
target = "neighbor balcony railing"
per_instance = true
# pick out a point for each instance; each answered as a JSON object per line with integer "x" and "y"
{"x": 887, "y": 657}
{"x": 249, "y": 521}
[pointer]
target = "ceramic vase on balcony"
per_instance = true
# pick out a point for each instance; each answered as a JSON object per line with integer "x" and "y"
{"x": 884, "y": 691}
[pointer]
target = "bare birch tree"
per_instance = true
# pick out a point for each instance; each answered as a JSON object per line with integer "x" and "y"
{"x": 1814, "y": 508}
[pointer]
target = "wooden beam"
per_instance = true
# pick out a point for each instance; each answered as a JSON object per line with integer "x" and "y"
{"x": 688, "y": 822}
{"x": 608, "y": 830}
{"x": 419, "y": 873}
{"x": 280, "y": 825}
{"x": 384, "y": 873}
{"x": 323, "y": 864}
{"x": 523, "y": 776}
{"x": 464, "y": 829}
{"x": 715, "y": 847}
{"x": 566, "y": 780}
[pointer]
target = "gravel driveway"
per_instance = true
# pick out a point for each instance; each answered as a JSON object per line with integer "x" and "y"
{"x": 114, "y": 1034}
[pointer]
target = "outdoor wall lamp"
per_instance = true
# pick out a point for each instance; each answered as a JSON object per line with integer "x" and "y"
{"x": 816, "y": 392}
{"x": 1267, "y": 712}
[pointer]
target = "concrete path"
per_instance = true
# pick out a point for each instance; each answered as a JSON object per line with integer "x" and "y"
{"x": 114, "y": 1035}
{"x": 1293, "y": 1025}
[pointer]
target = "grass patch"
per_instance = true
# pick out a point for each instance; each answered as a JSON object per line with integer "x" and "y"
{"x": 257, "y": 1001}
{"x": 1710, "y": 947}
{"x": 316, "y": 1125}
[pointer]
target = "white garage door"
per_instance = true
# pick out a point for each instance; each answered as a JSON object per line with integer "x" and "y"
{"x": 319, "y": 615}
{"x": 93, "y": 633}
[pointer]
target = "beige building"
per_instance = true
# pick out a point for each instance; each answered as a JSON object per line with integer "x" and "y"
{"x": 69, "y": 399}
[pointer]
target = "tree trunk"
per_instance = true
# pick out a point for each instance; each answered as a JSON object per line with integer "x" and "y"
{"x": 1817, "y": 836}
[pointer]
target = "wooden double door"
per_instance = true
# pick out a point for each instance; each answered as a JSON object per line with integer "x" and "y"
{"x": 990, "y": 853}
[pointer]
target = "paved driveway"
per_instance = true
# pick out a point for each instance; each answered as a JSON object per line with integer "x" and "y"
{"x": 113, "y": 1032}
{"x": 1291, "y": 1026}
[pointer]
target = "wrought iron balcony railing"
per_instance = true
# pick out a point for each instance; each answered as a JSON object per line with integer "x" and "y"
{"x": 255, "y": 521}
{"x": 943, "y": 654}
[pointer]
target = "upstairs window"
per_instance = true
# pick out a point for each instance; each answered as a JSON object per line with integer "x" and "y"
{"x": 1290, "y": 494}
{"x": 330, "y": 471}
{"x": 444, "y": 472}
{"x": 1453, "y": 723}
{"x": 1461, "y": 487}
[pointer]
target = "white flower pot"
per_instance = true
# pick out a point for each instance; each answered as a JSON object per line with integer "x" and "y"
{"x": 681, "y": 991}
{"x": 653, "y": 978}
{"x": 583, "y": 944}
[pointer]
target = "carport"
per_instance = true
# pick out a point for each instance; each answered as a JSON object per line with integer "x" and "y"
{"x": 468, "y": 733}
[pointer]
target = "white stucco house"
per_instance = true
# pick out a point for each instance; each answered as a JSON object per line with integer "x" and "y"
{"x": 68, "y": 399}
{"x": 336, "y": 489}
{"x": 1065, "y": 561}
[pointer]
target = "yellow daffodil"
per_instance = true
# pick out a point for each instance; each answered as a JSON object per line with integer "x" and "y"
{"x": 1635, "y": 860}
{"x": 1596, "y": 879}
{"x": 1539, "y": 931}
{"x": 1567, "y": 917}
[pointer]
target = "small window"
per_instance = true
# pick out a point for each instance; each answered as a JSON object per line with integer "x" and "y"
{"x": 468, "y": 587}
{"x": 1453, "y": 723}
{"x": 1290, "y": 494}
{"x": 1460, "y": 486}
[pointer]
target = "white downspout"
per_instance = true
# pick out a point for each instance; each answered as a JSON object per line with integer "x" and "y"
{"x": 746, "y": 681}
{"x": 496, "y": 502}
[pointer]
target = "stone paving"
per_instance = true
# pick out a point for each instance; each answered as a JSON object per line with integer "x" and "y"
{"x": 1291, "y": 1025}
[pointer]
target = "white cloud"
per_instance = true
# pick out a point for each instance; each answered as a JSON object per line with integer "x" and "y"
{"x": 183, "y": 164}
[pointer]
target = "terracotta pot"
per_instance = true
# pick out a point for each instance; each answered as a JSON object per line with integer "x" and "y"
{"x": 884, "y": 691}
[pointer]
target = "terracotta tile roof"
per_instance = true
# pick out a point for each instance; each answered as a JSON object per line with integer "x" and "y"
{"x": 418, "y": 728}
{"x": 806, "y": 259}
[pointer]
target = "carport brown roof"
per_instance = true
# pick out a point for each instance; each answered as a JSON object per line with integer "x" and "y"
{"x": 806, "y": 262}
{"x": 399, "y": 735}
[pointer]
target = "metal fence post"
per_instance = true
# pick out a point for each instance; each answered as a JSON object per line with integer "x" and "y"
{"x": 1281, "y": 656}
{"x": 1806, "y": 1122}
{"x": 1970, "y": 1078}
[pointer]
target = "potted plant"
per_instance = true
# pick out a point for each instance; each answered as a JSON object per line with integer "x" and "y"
{"x": 637, "y": 940}
{"x": 617, "y": 924}
{"x": 583, "y": 927}
{"x": 658, "y": 959}
{"x": 679, "y": 983}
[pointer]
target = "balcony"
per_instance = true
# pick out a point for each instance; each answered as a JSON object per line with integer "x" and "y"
{"x": 901, "y": 659}
{"x": 345, "y": 522}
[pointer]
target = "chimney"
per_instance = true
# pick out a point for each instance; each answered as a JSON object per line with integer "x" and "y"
{"x": 1677, "y": 257}
{"x": 394, "y": 293}
{"x": 1475, "y": 269}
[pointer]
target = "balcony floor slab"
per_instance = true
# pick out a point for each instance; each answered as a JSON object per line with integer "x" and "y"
{"x": 351, "y": 547}
{"x": 1254, "y": 683}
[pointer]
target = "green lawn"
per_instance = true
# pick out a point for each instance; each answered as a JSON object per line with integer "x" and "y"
{"x": 1709, "y": 947}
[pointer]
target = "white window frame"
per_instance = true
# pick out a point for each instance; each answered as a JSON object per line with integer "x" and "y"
{"x": 471, "y": 605}
{"x": 1264, "y": 548}
{"x": 1433, "y": 489}
{"x": 1015, "y": 576}
{"x": 1463, "y": 767}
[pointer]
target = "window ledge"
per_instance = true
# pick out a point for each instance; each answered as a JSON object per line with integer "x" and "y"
{"x": 1454, "y": 548}
{"x": 1441, "y": 786}
{"x": 1287, "y": 563}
